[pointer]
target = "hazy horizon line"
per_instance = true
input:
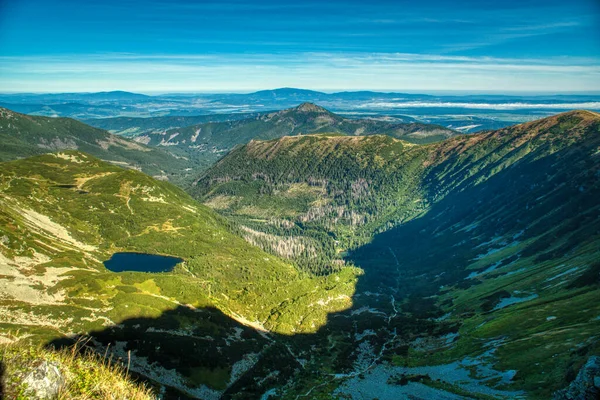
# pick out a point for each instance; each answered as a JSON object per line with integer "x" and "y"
{"x": 323, "y": 91}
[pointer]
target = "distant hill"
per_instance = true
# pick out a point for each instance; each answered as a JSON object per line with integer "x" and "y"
{"x": 208, "y": 142}
{"x": 464, "y": 113}
{"x": 24, "y": 135}
{"x": 114, "y": 95}
{"x": 117, "y": 95}
{"x": 77, "y": 105}
{"x": 287, "y": 95}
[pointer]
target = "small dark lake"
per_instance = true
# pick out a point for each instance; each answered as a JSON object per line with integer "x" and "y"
{"x": 141, "y": 262}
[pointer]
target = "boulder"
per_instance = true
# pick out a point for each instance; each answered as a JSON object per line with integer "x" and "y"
{"x": 44, "y": 382}
{"x": 586, "y": 385}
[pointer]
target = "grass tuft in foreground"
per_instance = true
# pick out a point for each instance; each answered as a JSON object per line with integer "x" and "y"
{"x": 85, "y": 374}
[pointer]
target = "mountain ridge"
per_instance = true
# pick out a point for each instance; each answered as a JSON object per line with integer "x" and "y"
{"x": 205, "y": 143}
{"x": 264, "y": 168}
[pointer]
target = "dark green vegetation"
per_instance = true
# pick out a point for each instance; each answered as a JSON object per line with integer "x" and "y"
{"x": 493, "y": 238}
{"x": 204, "y": 144}
{"x": 324, "y": 194}
{"x": 24, "y": 135}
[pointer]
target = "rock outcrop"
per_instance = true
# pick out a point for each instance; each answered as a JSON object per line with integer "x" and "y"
{"x": 586, "y": 385}
{"x": 44, "y": 382}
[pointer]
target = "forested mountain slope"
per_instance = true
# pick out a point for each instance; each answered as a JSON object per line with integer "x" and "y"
{"x": 356, "y": 186}
{"x": 494, "y": 236}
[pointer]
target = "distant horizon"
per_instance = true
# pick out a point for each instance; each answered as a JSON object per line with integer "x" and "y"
{"x": 334, "y": 91}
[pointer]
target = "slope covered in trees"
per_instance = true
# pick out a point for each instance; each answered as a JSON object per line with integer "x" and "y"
{"x": 495, "y": 236}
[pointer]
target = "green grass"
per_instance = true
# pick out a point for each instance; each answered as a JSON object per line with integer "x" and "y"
{"x": 86, "y": 374}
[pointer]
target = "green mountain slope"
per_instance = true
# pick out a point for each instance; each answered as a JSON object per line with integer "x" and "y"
{"x": 24, "y": 135}
{"x": 477, "y": 264}
{"x": 509, "y": 249}
{"x": 329, "y": 193}
{"x": 61, "y": 214}
{"x": 209, "y": 142}
{"x": 480, "y": 253}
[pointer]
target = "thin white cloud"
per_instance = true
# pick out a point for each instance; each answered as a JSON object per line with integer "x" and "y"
{"x": 593, "y": 105}
{"x": 544, "y": 27}
{"x": 512, "y": 33}
{"x": 378, "y": 71}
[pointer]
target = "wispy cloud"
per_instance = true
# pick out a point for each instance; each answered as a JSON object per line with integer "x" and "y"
{"x": 324, "y": 71}
{"x": 544, "y": 28}
{"x": 524, "y": 29}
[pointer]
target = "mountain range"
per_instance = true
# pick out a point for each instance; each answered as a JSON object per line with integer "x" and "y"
{"x": 322, "y": 256}
{"x": 464, "y": 112}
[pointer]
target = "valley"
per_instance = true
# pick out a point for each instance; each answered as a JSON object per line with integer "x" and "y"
{"x": 463, "y": 239}
{"x": 322, "y": 257}
{"x": 313, "y": 200}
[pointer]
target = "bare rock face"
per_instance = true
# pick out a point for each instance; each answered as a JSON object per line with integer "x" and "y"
{"x": 44, "y": 382}
{"x": 587, "y": 384}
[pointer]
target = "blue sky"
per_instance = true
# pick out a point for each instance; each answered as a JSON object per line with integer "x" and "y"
{"x": 232, "y": 45}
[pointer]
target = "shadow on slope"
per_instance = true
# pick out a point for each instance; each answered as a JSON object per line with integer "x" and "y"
{"x": 183, "y": 347}
{"x": 202, "y": 353}
{"x": 549, "y": 204}
{"x": 1, "y": 380}
{"x": 542, "y": 213}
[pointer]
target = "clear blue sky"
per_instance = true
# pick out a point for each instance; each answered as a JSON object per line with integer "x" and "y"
{"x": 232, "y": 45}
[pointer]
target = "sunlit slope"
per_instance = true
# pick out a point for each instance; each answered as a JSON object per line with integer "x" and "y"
{"x": 63, "y": 213}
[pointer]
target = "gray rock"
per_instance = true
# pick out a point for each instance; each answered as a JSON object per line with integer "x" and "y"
{"x": 586, "y": 384}
{"x": 44, "y": 382}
